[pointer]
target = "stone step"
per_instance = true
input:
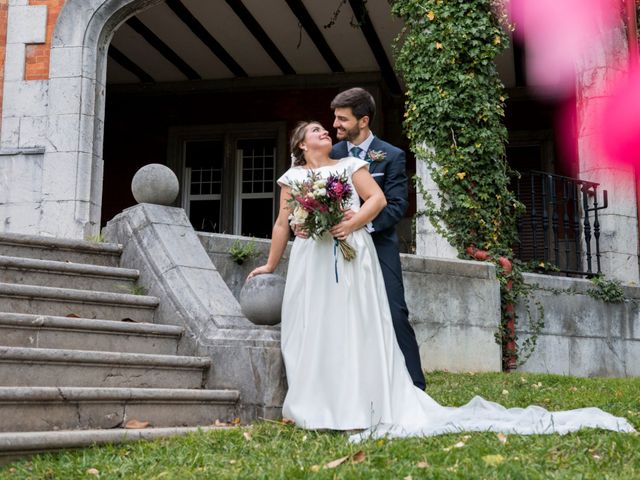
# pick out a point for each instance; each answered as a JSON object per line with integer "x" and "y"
{"x": 51, "y": 273}
{"x": 41, "y": 331}
{"x": 81, "y": 303}
{"x": 60, "y": 249}
{"x": 47, "y": 367}
{"x": 14, "y": 446}
{"x": 65, "y": 408}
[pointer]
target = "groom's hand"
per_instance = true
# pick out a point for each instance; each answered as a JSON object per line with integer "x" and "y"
{"x": 346, "y": 227}
{"x": 348, "y": 214}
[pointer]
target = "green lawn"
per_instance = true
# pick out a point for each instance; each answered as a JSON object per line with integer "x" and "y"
{"x": 272, "y": 450}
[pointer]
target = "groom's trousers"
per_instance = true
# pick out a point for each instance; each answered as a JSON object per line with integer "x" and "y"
{"x": 389, "y": 257}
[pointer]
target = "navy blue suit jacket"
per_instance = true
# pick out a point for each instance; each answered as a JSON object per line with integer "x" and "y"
{"x": 390, "y": 174}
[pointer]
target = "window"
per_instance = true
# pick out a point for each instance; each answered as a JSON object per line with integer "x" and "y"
{"x": 228, "y": 175}
{"x": 255, "y": 182}
{"x": 203, "y": 182}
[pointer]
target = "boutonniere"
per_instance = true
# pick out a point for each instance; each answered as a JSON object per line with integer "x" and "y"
{"x": 376, "y": 155}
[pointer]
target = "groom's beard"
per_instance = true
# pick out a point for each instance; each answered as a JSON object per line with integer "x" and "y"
{"x": 352, "y": 134}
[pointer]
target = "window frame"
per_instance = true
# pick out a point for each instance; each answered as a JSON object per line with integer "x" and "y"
{"x": 230, "y": 134}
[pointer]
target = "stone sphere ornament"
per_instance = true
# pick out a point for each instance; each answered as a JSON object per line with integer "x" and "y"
{"x": 155, "y": 183}
{"x": 261, "y": 298}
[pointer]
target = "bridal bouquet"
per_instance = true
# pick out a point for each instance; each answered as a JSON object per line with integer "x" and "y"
{"x": 317, "y": 205}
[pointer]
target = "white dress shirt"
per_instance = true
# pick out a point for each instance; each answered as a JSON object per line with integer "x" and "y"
{"x": 364, "y": 147}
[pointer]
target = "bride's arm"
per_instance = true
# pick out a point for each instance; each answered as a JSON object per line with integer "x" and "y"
{"x": 279, "y": 236}
{"x": 374, "y": 202}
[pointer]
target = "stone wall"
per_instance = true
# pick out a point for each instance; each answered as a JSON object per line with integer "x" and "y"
{"x": 582, "y": 336}
{"x": 454, "y": 305}
{"x": 455, "y": 310}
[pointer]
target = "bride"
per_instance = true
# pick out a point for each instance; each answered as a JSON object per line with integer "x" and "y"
{"x": 344, "y": 368}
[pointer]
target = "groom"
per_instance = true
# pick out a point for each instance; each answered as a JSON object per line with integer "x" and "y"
{"x": 354, "y": 110}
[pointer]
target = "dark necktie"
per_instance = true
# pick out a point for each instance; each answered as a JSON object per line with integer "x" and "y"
{"x": 355, "y": 151}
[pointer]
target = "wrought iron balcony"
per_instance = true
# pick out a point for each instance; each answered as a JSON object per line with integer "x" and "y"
{"x": 560, "y": 226}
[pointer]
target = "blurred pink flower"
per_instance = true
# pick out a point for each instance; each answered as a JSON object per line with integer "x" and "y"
{"x": 558, "y": 32}
{"x": 618, "y": 128}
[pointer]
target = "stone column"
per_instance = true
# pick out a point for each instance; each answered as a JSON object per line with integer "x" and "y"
{"x": 619, "y": 221}
{"x": 429, "y": 243}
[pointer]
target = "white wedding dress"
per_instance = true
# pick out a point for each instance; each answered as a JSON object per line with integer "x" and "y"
{"x": 344, "y": 368}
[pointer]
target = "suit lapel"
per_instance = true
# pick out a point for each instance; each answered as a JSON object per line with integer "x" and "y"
{"x": 373, "y": 166}
{"x": 341, "y": 150}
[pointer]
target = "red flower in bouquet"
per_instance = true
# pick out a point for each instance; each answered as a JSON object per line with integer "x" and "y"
{"x": 317, "y": 204}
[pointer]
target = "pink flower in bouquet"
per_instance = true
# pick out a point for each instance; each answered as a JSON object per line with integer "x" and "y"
{"x": 310, "y": 204}
{"x": 324, "y": 202}
{"x": 337, "y": 188}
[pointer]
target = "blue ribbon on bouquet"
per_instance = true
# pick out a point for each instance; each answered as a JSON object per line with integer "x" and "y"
{"x": 335, "y": 257}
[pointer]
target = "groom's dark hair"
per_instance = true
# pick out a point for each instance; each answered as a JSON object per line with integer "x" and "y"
{"x": 359, "y": 100}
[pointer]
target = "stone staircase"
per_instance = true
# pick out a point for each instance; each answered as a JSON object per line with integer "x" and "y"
{"x": 80, "y": 355}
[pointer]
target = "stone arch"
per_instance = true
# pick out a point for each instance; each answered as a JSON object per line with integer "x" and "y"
{"x": 77, "y": 84}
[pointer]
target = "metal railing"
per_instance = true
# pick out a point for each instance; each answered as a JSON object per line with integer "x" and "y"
{"x": 560, "y": 226}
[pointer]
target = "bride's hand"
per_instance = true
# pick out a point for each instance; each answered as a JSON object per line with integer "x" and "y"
{"x": 299, "y": 231}
{"x": 259, "y": 271}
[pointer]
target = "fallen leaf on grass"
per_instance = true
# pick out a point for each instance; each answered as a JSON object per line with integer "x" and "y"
{"x": 595, "y": 454}
{"x": 424, "y": 464}
{"x": 235, "y": 421}
{"x": 457, "y": 445}
{"x": 337, "y": 462}
{"x": 93, "y": 471}
{"x": 247, "y": 436}
{"x": 358, "y": 457}
{"x": 354, "y": 459}
{"x": 502, "y": 438}
{"x": 135, "y": 424}
{"x": 219, "y": 423}
{"x": 288, "y": 421}
{"x": 493, "y": 460}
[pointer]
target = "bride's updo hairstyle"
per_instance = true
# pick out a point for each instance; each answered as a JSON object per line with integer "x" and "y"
{"x": 297, "y": 137}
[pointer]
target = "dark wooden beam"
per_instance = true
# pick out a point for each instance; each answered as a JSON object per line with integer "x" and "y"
{"x": 205, "y": 37}
{"x": 301, "y": 12}
{"x": 261, "y": 36}
{"x": 164, "y": 49}
{"x": 128, "y": 64}
{"x": 370, "y": 34}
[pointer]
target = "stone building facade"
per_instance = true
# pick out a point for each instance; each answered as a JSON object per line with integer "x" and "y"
{"x": 91, "y": 90}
